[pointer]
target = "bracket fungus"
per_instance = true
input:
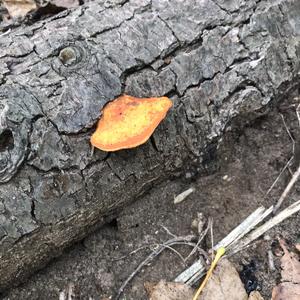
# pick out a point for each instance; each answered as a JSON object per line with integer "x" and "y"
{"x": 128, "y": 122}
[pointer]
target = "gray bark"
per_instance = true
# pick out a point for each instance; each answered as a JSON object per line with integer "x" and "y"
{"x": 216, "y": 59}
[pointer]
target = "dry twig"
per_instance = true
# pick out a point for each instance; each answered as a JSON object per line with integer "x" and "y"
{"x": 298, "y": 113}
{"x": 287, "y": 190}
{"x": 202, "y": 235}
{"x": 186, "y": 240}
{"x": 271, "y": 261}
{"x": 212, "y": 240}
{"x": 196, "y": 270}
{"x": 182, "y": 196}
{"x": 133, "y": 252}
{"x": 289, "y": 161}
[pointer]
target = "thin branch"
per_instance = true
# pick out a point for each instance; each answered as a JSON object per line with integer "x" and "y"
{"x": 298, "y": 113}
{"x": 202, "y": 235}
{"x": 168, "y": 231}
{"x": 133, "y": 252}
{"x": 289, "y": 161}
{"x": 287, "y": 190}
{"x": 212, "y": 240}
{"x": 151, "y": 256}
{"x": 176, "y": 252}
{"x": 288, "y": 132}
{"x": 280, "y": 174}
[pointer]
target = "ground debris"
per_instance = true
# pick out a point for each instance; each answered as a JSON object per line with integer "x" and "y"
{"x": 289, "y": 288}
{"x": 248, "y": 276}
{"x": 225, "y": 283}
{"x": 198, "y": 223}
{"x": 182, "y": 196}
{"x": 168, "y": 291}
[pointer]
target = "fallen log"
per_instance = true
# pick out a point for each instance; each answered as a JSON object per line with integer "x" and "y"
{"x": 216, "y": 60}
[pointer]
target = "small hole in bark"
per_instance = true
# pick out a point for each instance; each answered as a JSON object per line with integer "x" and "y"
{"x": 113, "y": 224}
{"x": 6, "y": 140}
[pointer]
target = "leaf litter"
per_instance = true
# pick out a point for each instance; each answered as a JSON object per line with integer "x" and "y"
{"x": 225, "y": 283}
{"x": 289, "y": 288}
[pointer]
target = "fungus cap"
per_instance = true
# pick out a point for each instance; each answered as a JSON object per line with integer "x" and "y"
{"x": 128, "y": 122}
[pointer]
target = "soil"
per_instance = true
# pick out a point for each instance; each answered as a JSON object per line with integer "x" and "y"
{"x": 249, "y": 160}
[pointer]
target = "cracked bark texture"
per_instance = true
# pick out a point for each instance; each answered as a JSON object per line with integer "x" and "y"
{"x": 216, "y": 59}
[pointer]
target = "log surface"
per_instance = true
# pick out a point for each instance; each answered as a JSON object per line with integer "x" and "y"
{"x": 217, "y": 60}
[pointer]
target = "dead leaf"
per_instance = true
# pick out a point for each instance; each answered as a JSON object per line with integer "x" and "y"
{"x": 19, "y": 8}
{"x": 255, "y": 295}
{"x": 286, "y": 291}
{"x": 290, "y": 275}
{"x": 225, "y": 283}
{"x": 168, "y": 291}
{"x": 290, "y": 265}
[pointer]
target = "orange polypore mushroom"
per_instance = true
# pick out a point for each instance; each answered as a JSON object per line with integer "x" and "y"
{"x": 128, "y": 122}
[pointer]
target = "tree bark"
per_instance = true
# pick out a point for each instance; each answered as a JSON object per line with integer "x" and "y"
{"x": 217, "y": 60}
